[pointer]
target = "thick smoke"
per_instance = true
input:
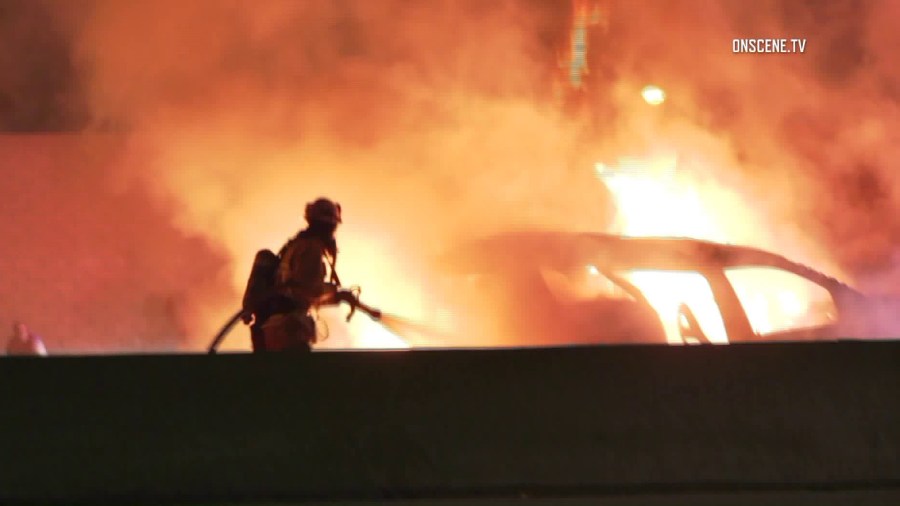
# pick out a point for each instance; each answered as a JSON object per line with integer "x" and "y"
{"x": 811, "y": 137}
{"x": 435, "y": 120}
{"x": 91, "y": 266}
{"x": 37, "y": 78}
{"x": 427, "y": 121}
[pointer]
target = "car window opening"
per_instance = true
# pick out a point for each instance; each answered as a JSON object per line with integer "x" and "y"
{"x": 667, "y": 291}
{"x": 776, "y": 300}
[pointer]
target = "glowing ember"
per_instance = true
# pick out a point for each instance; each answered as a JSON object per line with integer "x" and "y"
{"x": 653, "y": 95}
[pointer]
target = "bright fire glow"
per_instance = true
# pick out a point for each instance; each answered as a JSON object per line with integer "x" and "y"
{"x": 378, "y": 269}
{"x": 368, "y": 334}
{"x": 775, "y": 300}
{"x": 365, "y": 260}
{"x": 666, "y": 291}
{"x": 653, "y": 199}
{"x": 653, "y": 95}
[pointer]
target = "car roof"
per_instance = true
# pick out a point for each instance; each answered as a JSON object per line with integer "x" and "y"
{"x": 625, "y": 253}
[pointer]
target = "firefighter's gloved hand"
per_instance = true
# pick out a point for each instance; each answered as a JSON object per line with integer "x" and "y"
{"x": 346, "y": 296}
{"x": 246, "y": 317}
{"x": 331, "y": 294}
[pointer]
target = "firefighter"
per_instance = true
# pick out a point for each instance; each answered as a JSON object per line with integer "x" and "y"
{"x": 302, "y": 280}
{"x": 25, "y": 342}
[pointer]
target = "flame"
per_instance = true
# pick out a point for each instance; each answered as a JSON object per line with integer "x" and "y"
{"x": 651, "y": 200}
{"x": 666, "y": 291}
{"x": 654, "y": 198}
{"x": 776, "y": 301}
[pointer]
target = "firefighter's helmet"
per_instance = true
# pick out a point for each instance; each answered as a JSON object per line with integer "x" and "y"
{"x": 323, "y": 211}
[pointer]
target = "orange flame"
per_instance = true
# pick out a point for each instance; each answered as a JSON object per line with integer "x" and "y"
{"x": 654, "y": 198}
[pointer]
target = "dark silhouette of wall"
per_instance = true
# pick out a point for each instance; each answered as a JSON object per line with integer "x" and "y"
{"x": 621, "y": 422}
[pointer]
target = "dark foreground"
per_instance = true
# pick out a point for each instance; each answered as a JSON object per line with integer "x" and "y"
{"x": 748, "y": 424}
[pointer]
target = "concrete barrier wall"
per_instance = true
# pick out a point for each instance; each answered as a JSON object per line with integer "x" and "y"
{"x": 452, "y": 424}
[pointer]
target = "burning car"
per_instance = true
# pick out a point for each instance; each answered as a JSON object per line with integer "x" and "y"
{"x": 549, "y": 288}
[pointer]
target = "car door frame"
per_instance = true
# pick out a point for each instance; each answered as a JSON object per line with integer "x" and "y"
{"x": 836, "y": 291}
{"x": 734, "y": 316}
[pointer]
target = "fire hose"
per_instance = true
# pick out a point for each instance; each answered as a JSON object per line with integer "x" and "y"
{"x": 351, "y": 297}
{"x": 214, "y": 345}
